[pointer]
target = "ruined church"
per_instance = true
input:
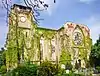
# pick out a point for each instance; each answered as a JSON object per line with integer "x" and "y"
{"x": 26, "y": 41}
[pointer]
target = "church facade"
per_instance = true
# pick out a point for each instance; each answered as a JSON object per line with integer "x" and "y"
{"x": 26, "y": 41}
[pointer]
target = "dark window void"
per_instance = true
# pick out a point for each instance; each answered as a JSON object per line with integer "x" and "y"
{"x": 41, "y": 52}
{"x": 19, "y": 33}
{"x": 26, "y": 34}
{"x": 53, "y": 48}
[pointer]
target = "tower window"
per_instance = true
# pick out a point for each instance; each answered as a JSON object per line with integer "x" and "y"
{"x": 26, "y": 34}
{"x": 19, "y": 33}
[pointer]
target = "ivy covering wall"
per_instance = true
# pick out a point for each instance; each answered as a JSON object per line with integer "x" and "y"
{"x": 24, "y": 43}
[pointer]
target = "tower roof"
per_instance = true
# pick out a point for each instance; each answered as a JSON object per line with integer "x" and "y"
{"x": 21, "y": 6}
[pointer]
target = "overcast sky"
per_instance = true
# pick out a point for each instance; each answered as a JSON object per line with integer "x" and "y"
{"x": 79, "y": 11}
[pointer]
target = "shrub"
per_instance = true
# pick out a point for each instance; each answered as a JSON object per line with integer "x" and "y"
{"x": 69, "y": 66}
{"x": 72, "y": 74}
{"x": 22, "y": 70}
{"x": 3, "y": 69}
{"x": 98, "y": 68}
{"x": 48, "y": 69}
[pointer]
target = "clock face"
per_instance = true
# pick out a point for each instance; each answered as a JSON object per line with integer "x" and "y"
{"x": 77, "y": 38}
{"x": 22, "y": 18}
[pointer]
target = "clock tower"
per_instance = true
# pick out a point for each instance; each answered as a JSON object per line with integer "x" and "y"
{"x": 23, "y": 16}
{"x": 20, "y": 33}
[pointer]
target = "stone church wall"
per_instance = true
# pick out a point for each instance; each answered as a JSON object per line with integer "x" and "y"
{"x": 70, "y": 44}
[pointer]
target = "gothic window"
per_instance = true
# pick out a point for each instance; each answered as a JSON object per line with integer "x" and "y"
{"x": 65, "y": 40}
{"x": 41, "y": 47}
{"x": 77, "y": 37}
{"x": 62, "y": 41}
{"x": 23, "y": 52}
{"x": 53, "y": 48}
{"x": 53, "y": 45}
{"x": 53, "y": 54}
{"x": 41, "y": 51}
{"x": 79, "y": 61}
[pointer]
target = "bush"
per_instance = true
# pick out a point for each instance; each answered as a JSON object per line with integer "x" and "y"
{"x": 98, "y": 68}
{"x": 22, "y": 70}
{"x": 69, "y": 66}
{"x": 48, "y": 69}
{"x": 71, "y": 73}
{"x": 3, "y": 69}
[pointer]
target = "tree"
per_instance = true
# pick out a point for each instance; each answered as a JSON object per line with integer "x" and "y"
{"x": 95, "y": 54}
{"x": 2, "y": 61}
{"x": 48, "y": 69}
{"x": 24, "y": 70}
{"x": 2, "y": 57}
{"x": 36, "y": 5}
